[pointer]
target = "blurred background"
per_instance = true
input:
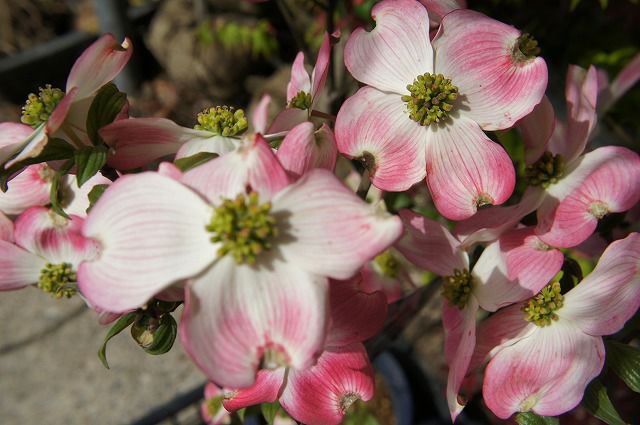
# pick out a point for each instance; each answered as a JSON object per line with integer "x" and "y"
{"x": 193, "y": 54}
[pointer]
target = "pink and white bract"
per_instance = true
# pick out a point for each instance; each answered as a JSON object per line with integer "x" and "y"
{"x": 425, "y": 106}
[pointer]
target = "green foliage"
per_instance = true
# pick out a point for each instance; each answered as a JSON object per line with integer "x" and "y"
{"x": 104, "y": 109}
{"x": 360, "y": 414}
{"x": 270, "y": 411}
{"x": 95, "y": 194}
{"x": 89, "y": 161}
{"x": 624, "y": 360}
{"x": 186, "y": 164}
{"x": 55, "y": 194}
{"x": 530, "y": 418}
{"x": 258, "y": 40}
{"x": 121, "y": 324}
{"x": 597, "y": 402}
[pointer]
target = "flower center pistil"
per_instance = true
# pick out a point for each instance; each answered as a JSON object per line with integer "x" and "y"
{"x": 38, "y": 108}
{"x": 59, "y": 280}
{"x": 302, "y": 100}
{"x": 243, "y": 227}
{"x": 222, "y": 121}
{"x": 546, "y": 171}
{"x": 541, "y": 309}
{"x": 431, "y": 98}
{"x": 457, "y": 288}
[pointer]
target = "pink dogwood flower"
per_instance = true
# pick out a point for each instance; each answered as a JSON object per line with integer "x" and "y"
{"x": 570, "y": 189}
{"x": 321, "y": 394}
{"x": 257, "y": 251}
{"x": 426, "y": 104}
{"x": 305, "y": 148}
{"x": 545, "y": 352}
{"x": 489, "y": 285}
{"x": 54, "y": 112}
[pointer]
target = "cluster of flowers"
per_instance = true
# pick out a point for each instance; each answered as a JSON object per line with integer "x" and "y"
{"x": 283, "y": 270}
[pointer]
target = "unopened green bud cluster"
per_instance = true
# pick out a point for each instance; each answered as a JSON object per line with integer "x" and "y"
{"x": 222, "y": 120}
{"x": 431, "y": 98}
{"x": 541, "y": 310}
{"x": 39, "y": 107}
{"x": 387, "y": 264}
{"x": 457, "y": 288}
{"x": 302, "y": 100}
{"x": 58, "y": 280}
{"x": 546, "y": 171}
{"x": 243, "y": 227}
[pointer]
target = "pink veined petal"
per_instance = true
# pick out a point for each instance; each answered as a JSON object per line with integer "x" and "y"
{"x": 373, "y": 281}
{"x": 327, "y": 230}
{"x": 287, "y": 119}
{"x": 500, "y": 330}
{"x": 220, "y": 145}
{"x": 11, "y": 134}
{"x": 76, "y": 199}
{"x": 252, "y": 165}
{"x": 546, "y": 372}
{"x": 151, "y": 232}
{"x": 6, "y": 228}
{"x": 221, "y": 417}
{"x": 62, "y": 111}
{"x": 355, "y": 315}
{"x": 299, "y": 81}
{"x": 613, "y": 187}
{"x": 375, "y": 126}
{"x": 260, "y": 116}
{"x": 322, "y": 394}
{"x": 19, "y": 267}
{"x": 304, "y": 149}
{"x": 610, "y": 295}
{"x": 476, "y": 53}
{"x": 438, "y": 8}
{"x": 493, "y": 286}
{"x": 239, "y": 318}
{"x": 54, "y": 238}
{"x": 265, "y": 390}
{"x": 629, "y": 75}
{"x": 321, "y": 68}
{"x": 466, "y": 169}
{"x": 537, "y": 128}
{"x": 489, "y": 223}
{"x": 460, "y": 340}
{"x": 396, "y": 51}
{"x": 168, "y": 169}
{"x": 140, "y": 141}
{"x": 430, "y": 246}
{"x": 29, "y": 188}
{"x": 28, "y": 148}
{"x": 98, "y": 64}
{"x": 581, "y": 92}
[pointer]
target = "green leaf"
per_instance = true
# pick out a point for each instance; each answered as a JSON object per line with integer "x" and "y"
{"x": 164, "y": 336}
{"x": 625, "y": 362}
{"x": 55, "y": 149}
{"x": 185, "y": 164}
{"x": 104, "y": 109}
{"x": 54, "y": 195}
{"x": 270, "y": 411}
{"x": 596, "y": 401}
{"x": 95, "y": 194}
{"x": 122, "y": 323}
{"x": 89, "y": 161}
{"x": 530, "y": 418}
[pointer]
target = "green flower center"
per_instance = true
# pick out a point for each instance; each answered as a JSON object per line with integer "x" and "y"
{"x": 59, "y": 280}
{"x": 387, "y": 264}
{"x": 39, "y": 108}
{"x": 243, "y": 227}
{"x": 541, "y": 309}
{"x": 526, "y": 48}
{"x": 302, "y": 100}
{"x": 546, "y": 171}
{"x": 457, "y": 288}
{"x": 431, "y": 98}
{"x": 598, "y": 209}
{"x": 222, "y": 121}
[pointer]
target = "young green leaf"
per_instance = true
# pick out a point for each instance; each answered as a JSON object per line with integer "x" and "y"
{"x": 625, "y": 362}
{"x": 55, "y": 188}
{"x": 269, "y": 411}
{"x": 530, "y": 418}
{"x": 89, "y": 161}
{"x": 185, "y": 164}
{"x": 164, "y": 336}
{"x": 104, "y": 109}
{"x": 597, "y": 402}
{"x": 95, "y": 194}
{"x": 122, "y": 323}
